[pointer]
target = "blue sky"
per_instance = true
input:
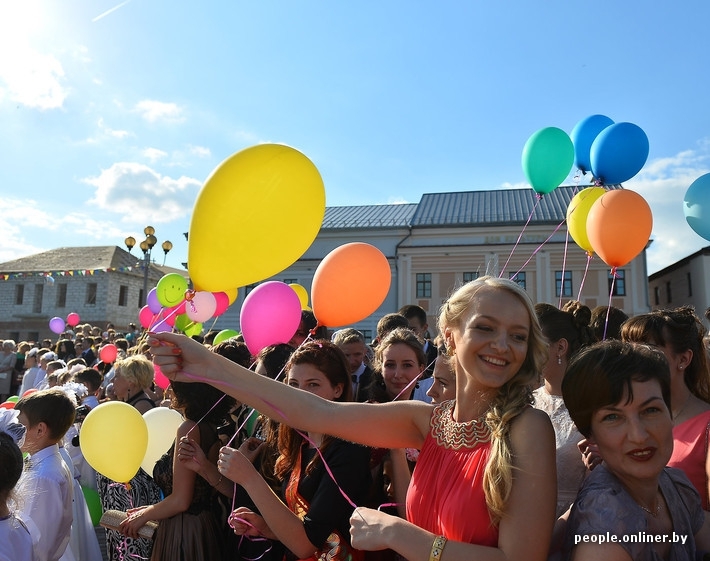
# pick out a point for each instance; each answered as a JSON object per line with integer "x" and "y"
{"x": 114, "y": 113}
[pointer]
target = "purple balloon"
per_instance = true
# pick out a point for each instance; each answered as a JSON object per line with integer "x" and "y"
{"x": 152, "y": 301}
{"x": 271, "y": 314}
{"x": 56, "y": 325}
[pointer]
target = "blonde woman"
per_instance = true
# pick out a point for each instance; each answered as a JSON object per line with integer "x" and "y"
{"x": 484, "y": 487}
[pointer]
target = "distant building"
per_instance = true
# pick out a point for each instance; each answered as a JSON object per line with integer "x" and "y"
{"x": 684, "y": 283}
{"x": 101, "y": 284}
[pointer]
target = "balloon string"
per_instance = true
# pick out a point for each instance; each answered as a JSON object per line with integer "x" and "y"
{"x": 173, "y": 311}
{"x": 590, "y": 256}
{"x": 538, "y": 198}
{"x": 537, "y": 250}
{"x": 122, "y": 548}
{"x": 608, "y": 309}
{"x": 564, "y": 265}
{"x": 232, "y": 521}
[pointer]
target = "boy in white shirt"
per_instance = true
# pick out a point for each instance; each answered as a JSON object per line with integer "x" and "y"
{"x": 46, "y": 485}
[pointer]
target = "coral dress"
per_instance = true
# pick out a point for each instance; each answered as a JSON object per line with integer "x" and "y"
{"x": 690, "y": 449}
{"x": 446, "y": 495}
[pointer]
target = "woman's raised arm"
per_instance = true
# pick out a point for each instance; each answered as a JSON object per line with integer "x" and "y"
{"x": 390, "y": 425}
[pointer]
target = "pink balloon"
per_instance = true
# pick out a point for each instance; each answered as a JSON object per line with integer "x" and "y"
{"x": 146, "y": 316}
{"x": 201, "y": 307}
{"x": 270, "y": 314}
{"x": 222, "y": 300}
{"x": 56, "y": 325}
{"x": 160, "y": 379}
{"x": 108, "y": 353}
{"x": 73, "y": 319}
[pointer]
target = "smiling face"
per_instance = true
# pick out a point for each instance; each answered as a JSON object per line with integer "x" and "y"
{"x": 635, "y": 439}
{"x": 399, "y": 367}
{"x": 307, "y": 377}
{"x": 491, "y": 341}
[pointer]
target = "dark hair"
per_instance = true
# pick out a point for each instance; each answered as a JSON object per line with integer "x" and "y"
{"x": 69, "y": 350}
{"x": 200, "y": 399}
{"x": 330, "y": 360}
{"x": 600, "y": 374}
{"x": 571, "y": 324}
{"x": 390, "y": 322}
{"x": 121, "y": 343}
{"x": 274, "y": 358}
{"x": 90, "y": 377}
{"x": 682, "y": 330}
{"x": 411, "y": 311}
{"x": 612, "y": 327}
{"x": 309, "y": 323}
{"x": 234, "y": 350}
{"x": 52, "y": 407}
{"x": 376, "y": 390}
{"x": 10, "y": 465}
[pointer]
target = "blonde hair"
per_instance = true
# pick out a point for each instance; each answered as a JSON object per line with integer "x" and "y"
{"x": 512, "y": 398}
{"x": 137, "y": 369}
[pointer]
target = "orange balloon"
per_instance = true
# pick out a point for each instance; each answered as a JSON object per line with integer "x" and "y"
{"x": 350, "y": 284}
{"x": 619, "y": 225}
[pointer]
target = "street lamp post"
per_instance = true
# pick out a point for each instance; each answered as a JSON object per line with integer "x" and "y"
{"x": 147, "y": 247}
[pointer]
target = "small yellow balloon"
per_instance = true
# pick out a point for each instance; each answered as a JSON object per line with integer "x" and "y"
{"x": 257, "y": 213}
{"x": 302, "y": 295}
{"x": 162, "y": 424}
{"x": 114, "y": 439}
{"x": 577, "y": 212}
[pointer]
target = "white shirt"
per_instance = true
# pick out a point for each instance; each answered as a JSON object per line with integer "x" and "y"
{"x": 46, "y": 491}
{"x": 30, "y": 378}
{"x": 421, "y": 389}
{"x": 16, "y": 540}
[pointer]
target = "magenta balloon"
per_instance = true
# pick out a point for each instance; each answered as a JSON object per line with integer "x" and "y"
{"x": 201, "y": 307}
{"x": 73, "y": 319}
{"x": 145, "y": 316}
{"x": 152, "y": 301}
{"x": 270, "y": 314}
{"x": 222, "y": 300}
{"x": 56, "y": 325}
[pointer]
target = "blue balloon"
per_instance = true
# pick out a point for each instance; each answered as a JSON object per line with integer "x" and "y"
{"x": 583, "y": 135}
{"x": 696, "y": 206}
{"x": 618, "y": 153}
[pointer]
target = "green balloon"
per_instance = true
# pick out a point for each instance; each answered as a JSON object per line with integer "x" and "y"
{"x": 547, "y": 159}
{"x": 224, "y": 335}
{"x": 94, "y": 503}
{"x": 14, "y": 399}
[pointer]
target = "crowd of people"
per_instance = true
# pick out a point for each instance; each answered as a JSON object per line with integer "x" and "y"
{"x": 519, "y": 431}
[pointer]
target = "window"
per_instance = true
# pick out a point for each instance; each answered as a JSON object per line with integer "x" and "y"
{"x": 566, "y": 286}
{"x": 37, "y": 304}
{"x": 423, "y": 285}
{"x": 619, "y": 283}
{"x": 367, "y": 334}
{"x": 248, "y": 288}
{"x": 657, "y": 295}
{"x": 123, "y": 295}
{"x": 15, "y": 335}
{"x": 669, "y": 297}
{"x": 31, "y": 336}
{"x": 519, "y": 278}
{"x": 290, "y": 281}
{"x": 468, "y": 277}
{"x": 62, "y": 295}
{"x": 91, "y": 289}
{"x": 690, "y": 286}
{"x": 19, "y": 294}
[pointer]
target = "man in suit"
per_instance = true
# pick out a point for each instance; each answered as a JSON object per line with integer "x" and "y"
{"x": 352, "y": 343}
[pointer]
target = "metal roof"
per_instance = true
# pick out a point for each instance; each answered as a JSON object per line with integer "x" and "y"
{"x": 63, "y": 258}
{"x": 369, "y": 216}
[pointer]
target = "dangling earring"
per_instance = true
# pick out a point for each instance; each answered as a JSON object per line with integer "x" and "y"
{"x": 559, "y": 359}
{"x": 450, "y": 351}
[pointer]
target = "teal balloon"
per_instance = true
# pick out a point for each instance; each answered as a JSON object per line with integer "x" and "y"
{"x": 696, "y": 206}
{"x": 547, "y": 159}
{"x": 224, "y": 335}
{"x": 94, "y": 503}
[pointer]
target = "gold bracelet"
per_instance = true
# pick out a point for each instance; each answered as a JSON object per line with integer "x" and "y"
{"x": 437, "y": 548}
{"x": 218, "y": 481}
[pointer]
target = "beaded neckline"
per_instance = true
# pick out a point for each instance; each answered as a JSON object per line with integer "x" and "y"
{"x": 453, "y": 435}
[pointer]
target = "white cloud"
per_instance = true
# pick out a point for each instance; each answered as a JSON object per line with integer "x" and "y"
{"x": 154, "y": 154}
{"x": 32, "y": 79}
{"x": 200, "y": 151}
{"x": 112, "y": 132}
{"x": 153, "y": 111}
{"x": 141, "y": 193}
{"x": 663, "y": 184}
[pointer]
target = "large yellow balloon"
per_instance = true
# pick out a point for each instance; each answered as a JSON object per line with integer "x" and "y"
{"x": 162, "y": 424}
{"x": 114, "y": 438}
{"x": 257, "y": 213}
{"x": 577, "y": 212}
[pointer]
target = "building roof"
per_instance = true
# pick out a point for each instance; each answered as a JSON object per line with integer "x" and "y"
{"x": 72, "y": 258}
{"x": 703, "y": 252}
{"x": 369, "y": 216}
